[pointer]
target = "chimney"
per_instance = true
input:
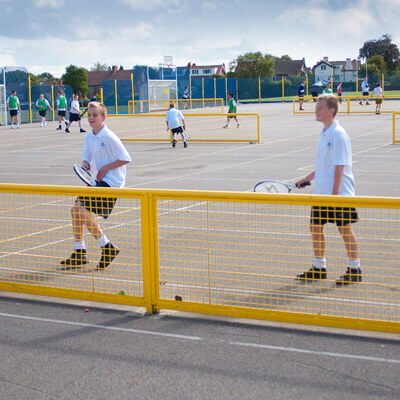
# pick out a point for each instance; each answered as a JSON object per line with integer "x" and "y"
{"x": 114, "y": 69}
{"x": 325, "y": 59}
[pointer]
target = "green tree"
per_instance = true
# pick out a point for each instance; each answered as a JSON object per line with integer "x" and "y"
{"x": 97, "y": 66}
{"x": 284, "y": 57}
{"x": 252, "y": 65}
{"x": 77, "y": 78}
{"x": 385, "y": 48}
{"x": 376, "y": 65}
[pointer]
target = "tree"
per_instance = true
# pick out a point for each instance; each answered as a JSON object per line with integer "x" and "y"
{"x": 252, "y": 65}
{"x": 77, "y": 78}
{"x": 385, "y": 48}
{"x": 376, "y": 65}
{"x": 284, "y": 57}
{"x": 97, "y": 66}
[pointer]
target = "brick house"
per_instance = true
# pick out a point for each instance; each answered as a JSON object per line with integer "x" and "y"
{"x": 342, "y": 71}
{"x": 96, "y": 78}
{"x": 285, "y": 68}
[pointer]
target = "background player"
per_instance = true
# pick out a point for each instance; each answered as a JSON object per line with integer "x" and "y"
{"x": 333, "y": 175}
{"x": 42, "y": 105}
{"x": 173, "y": 120}
{"x": 75, "y": 114}
{"x": 61, "y": 108}
{"x": 365, "y": 91}
{"x": 13, "y": 107}
{"x": 186, "y": 96}
{"x": 232, "y": 110}
{"x": 300, "y": 92}
{"x": 378, "y": 93}
{"x": 103, "y": 148}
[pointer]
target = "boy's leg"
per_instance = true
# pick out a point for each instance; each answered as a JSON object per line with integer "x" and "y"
{"x": 237, "y": 122}
{"x": 227, "y": 122}
{"x": 81, "y": 217}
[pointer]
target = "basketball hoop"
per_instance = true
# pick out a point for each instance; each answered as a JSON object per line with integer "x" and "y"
{"x": 168, "y": 61}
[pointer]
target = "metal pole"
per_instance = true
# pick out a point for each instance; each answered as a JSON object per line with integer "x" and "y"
{"x": 101, "y": 96}
{"x": 306, "y": 85}
{"x": 116, "y": 96}
{"x": 5, "y": 91}
{"x": 283, "y": 90}
{"x": 226, "y": 90}
{"x": 133, "y": 95}
{"x": 202, "y": 89}
{"x": 190, "y": 87}
{"x": 52, "y": 99}
{"x": 215, "y": 92}
{"x": 30, "y": 101}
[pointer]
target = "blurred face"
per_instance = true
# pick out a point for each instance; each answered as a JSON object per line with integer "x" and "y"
{"x": 322, "y": 112}
{"x": 76, "y": 97}
{"x": 96, "y": 120}
{"x": 41, "y": 96}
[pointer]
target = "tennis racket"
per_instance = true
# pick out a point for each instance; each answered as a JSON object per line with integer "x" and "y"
{"x": 185, "y": 132}
{"x": 85, "y": 175}
{"x": 276, "y": 187}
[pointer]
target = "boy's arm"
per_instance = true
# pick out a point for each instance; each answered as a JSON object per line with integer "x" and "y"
{"x": 115, "y": 164}
{"x": 337, "y": 179}
{"x": 307, "y": 178}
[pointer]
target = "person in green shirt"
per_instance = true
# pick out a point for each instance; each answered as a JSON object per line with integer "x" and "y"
{"x": 61, "y": 109}
{"x": 232, "y": 110}
{"x": 13, "y": 107}
{"x": 327, "y": 90}
{"x": 42, "y": 105}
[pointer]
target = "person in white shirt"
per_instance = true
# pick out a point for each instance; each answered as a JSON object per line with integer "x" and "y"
{"x": 333, "y": 176}
{"x": 378, "y": 93}
{"x": 74, "y": 114}
{"x": 105, "y": 150}
{"x": 176, "y": 123}
{"x": 42, "y": 105}
{"x": 365, "y": 91}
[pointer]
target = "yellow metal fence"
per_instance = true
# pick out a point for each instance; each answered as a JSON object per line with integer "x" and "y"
{"x": 224, "y": 253}
{"x": 396, "y": 128}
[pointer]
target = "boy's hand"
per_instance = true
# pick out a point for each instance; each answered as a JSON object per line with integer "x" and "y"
{"x": 100, "y": 174}
{"x": 86, "y": 165}
{"x": 303, "y": 182}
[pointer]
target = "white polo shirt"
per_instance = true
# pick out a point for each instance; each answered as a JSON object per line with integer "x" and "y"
{"x": 74, "y": 104}
{"x": 174, "y": 117}
{"x": 364, "y": 86}
{"x": 378, "y": 91}
{"x": 334, "y": 148}
{"x": 105, "y": 148}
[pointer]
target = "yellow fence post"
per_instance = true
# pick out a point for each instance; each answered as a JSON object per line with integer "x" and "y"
{"x": 202, "y": 90}
{"x": 332, "y": 83}
{"x": 307, "y": 85}
{"x": 383, "y": 83}
{"x": 52, "y": 100}
{"x": 283, "y": 90}
{"x": 348, "y": 105}
{"x": 259, "y": 89}
{"x": 215, "y": 92}
{"x": 226, "y": 90}
{"x": 101, "y": 96}
{"x": 116, "y": 96}
{"x": 30, "y": 101}
{"x": 394, "y": 129}
{"x": 190, "y": 88}
{"x": 133, "y": 96}
{"x": 237, "y": 90}
{"x": 357, "y": 85}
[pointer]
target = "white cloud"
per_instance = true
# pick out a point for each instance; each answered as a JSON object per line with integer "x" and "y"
{"x": 48, "y": 3}
{"x": 210, "y": 5}
{"x": 142, "y": 31}
{"x": 7, "y": 59}
{"x": 151, "y": 4}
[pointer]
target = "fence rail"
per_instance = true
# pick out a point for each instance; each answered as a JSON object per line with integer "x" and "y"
{"x": 224, "y": 253}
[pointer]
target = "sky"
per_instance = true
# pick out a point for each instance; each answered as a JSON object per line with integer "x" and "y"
{"x": 49, "y": 35}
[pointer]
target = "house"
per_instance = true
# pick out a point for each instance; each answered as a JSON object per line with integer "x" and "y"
{"x": 96, "y": 78}
{"x": 206, "y": 71}
{"x": 342, "y": 71}
{"x": 285, "y": 68}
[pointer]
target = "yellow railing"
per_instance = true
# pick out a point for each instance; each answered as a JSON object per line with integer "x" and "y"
{"x": 224, "y": 253}
{"x": 147, "y": 106}
{"x": 390, "y": 104}
{"x": 394, "y": 135}
{"x": 202, "y": 127}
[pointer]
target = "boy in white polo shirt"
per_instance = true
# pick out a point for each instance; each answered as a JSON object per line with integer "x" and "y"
{"x": 173, "y": 120}
{"x": 103, "y": 148}
{"x": 333, "y": 175}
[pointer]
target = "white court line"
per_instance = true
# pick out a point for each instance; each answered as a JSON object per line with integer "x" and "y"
{"x": 205, "y": 340}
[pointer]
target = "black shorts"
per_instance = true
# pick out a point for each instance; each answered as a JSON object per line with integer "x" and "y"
{"x": 177, "y": 130}
{"x": 42, "y": 113}
{"x": 61, "y": 113}
{"x": 340, "y": 216}
{"x": 339, "y": 94}
{"x": 13, "y": 113}
{"x": 102, "y": 206}
{"x": 74, "y": 117}
{"x": 365, "y": 93}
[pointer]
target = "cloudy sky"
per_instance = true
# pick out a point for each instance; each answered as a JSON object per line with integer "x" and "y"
{"x": 48, "y": 35}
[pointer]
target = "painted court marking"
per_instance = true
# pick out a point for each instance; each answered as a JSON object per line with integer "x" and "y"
{"x": 205, "y": 340}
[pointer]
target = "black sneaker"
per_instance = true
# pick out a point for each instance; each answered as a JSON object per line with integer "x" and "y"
{"x": 59, "y": 128}
{"x": 108, "y": 255}
{"x": 82, "y": 130}
{"x": 77, "y": 258}
{"x": 184, "y": 144}
{"x": 312, "y": 274}
{"x": 67, "y": 130}
{"x": 367, "y": 103}
{"x": 352, "y": 275}
{"x": 173, "y": 142}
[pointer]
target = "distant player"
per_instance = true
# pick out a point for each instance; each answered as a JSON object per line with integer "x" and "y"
{"x": 13, "y": 107}
{"x": 93, "y": 98}
{"x": 61, "y": 108}
{"x": 378, "y": 93}
{"x": 365, "y": 91}
{"x": 300, "y": 92}
{"x": 176, "y": 123}
{"x": 42, "y": 105}
{"x": 103, "y": 148}
{"x": 232, "y": 110}
{"x": 339, "y": 91}
{"x": 186, "y": 96}
{"x": 333, "y": 176}
{"x": 74, "y": 114}
{"x": 328, "y": 89}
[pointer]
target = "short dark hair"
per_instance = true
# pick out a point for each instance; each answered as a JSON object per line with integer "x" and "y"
{"x": 171, "y": 105}
{"x": 13, "y": 91}
{"x": 230, "y": 94}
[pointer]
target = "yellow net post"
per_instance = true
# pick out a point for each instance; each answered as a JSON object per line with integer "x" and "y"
{"x": 357, "y": 85}
{"x": 283, "y": 90}
{"x": 332, "y": 83}
{"x": 259, "y": 89}
{"x": 202, "y": 90}
{"x": 226, "y": 90}
{"x": 52, "y": 100}
{"x": 307, "y": 85}
{"x": 215, "y": 92}
{"x": 30, "y": 100}
{"x": 101, "y": 95}
{"x": 190, "y": 87}
{"x": 133, "y": 96}
{"x": 116, "y": 96}
{"x": 237, "y": 91}
{"x": 383, "y": 83}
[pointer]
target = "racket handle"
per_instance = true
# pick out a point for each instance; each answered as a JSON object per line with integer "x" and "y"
{"x": 308, "y": 183}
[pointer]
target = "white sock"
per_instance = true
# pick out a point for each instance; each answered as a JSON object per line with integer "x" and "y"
{"x": 354, "y": 263}
{"x": 103, "y": 240}
{"x": 80, "y": 245}
{"x": 319, "y": 262}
